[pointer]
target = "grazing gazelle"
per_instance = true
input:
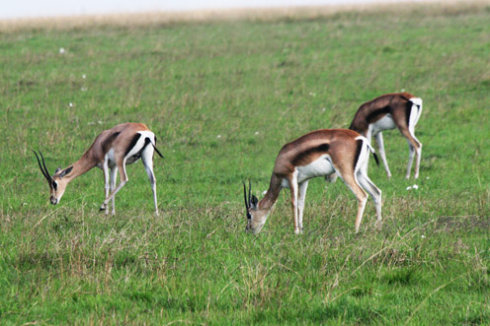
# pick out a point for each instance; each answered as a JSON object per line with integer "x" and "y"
{"x": 318, "y": 153}
{"x": 390, "y": 111}
{"x": 111, "y": 151}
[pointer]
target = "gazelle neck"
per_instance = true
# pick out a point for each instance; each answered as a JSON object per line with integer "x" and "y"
{"x": 84, "y": 164}
{"x": 272, "y": 194}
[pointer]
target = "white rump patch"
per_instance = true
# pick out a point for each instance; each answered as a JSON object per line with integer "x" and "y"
{"x": 139, "y": 144}
{"x": 366, "y": 141}
{"x": 415, "y": 113}
{"x": 416, "y": 100}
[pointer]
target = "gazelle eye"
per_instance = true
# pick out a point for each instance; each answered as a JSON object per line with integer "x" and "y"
{"x": 55, "y": 185}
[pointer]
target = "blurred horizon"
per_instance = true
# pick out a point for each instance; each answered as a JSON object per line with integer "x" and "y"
{"x": 56, "y": 8}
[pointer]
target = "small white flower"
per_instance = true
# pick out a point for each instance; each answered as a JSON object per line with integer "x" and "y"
{"x": 324, "y": 109}
{"x": 84, "y": 76}
{"x": 312, "y": 94}
{"x": 427, "y": 178}
{"x": 264, "y": 192}
{"x": 83, "y": 89}
{"x": 415, "y": 187}
{"x": 219, "y": 136}
{"x": 62, "y": 50}
{"x": 409, "y": 187}
{"x": 256, "y": 133}
{"x": 70, "y": 104}
{"x": 422, "y": 236}
{"x": 402, "y": 90}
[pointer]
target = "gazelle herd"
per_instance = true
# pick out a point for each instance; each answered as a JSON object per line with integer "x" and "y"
{"x": 322, "y": 153}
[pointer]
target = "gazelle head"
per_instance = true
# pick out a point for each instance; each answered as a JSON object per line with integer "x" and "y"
{"x": 57, "y": 184}
{"x": 256, "y": 217}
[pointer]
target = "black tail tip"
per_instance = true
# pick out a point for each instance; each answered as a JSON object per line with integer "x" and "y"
{"x": 376, "y": 158}
{"x": 158, "y": 152}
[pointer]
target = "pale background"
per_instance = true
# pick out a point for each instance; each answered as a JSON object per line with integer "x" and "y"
{"x": 46, "y": 8}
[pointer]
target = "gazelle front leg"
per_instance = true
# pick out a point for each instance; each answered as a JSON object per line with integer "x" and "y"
{"x": 124, "y": 180}
{"x": 113, "y": 186}
{"x": 301, "y": 203}
{"x": 381, "y": 147}
{"x": 105, "y": 169}
{"x": 293, "y": 186}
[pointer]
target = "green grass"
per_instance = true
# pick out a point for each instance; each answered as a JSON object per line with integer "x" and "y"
{"x": 222, "y": 98}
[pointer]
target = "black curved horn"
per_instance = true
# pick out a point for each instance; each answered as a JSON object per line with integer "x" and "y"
{"x": 249, "y": 193}
{"x": 245, "y": 195}
{"x": 43, "y": 167}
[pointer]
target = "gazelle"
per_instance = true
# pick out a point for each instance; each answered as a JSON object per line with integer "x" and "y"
{"x": 390, "y": 111}
{"x": 318, "y": 153}
{"x": 111, "y": 151}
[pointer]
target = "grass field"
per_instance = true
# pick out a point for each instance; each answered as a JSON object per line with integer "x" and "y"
{"x": 222, "y": 98}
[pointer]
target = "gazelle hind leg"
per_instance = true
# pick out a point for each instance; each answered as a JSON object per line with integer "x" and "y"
{"x": 415, "y": 148}
{"x": 147, "y": 159}
{"x": 418, "y": 153}
{"x": 417, "y": 162}
{"x": 374, "y": 192}
{"x": 351, "y": 182}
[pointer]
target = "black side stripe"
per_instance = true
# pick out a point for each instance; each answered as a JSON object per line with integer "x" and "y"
{"x": 409, "y": 111}
{"x": 132, "y": 144}
{"x": 358, "y": 152}
{"x": 374, "y": 114}
{"x": 106, "y": 145}
{"x": 323, "y": 148}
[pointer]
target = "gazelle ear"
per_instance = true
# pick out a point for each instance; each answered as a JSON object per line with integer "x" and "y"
{"x": 66, "y": 171}
{"x": 57, "y": 170}
{"x": 254, "y": 202}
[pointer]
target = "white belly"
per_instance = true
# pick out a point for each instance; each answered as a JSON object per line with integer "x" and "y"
{"x": 111, "y": 161}
{"x": 384, "y": 123}
{"x": 320, "y": 167}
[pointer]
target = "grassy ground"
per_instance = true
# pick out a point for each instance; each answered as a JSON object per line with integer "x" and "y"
{"x": 223, "y": 97}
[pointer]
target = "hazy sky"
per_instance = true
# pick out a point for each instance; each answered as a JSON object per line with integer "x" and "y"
{"x": 40, "y": 8}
